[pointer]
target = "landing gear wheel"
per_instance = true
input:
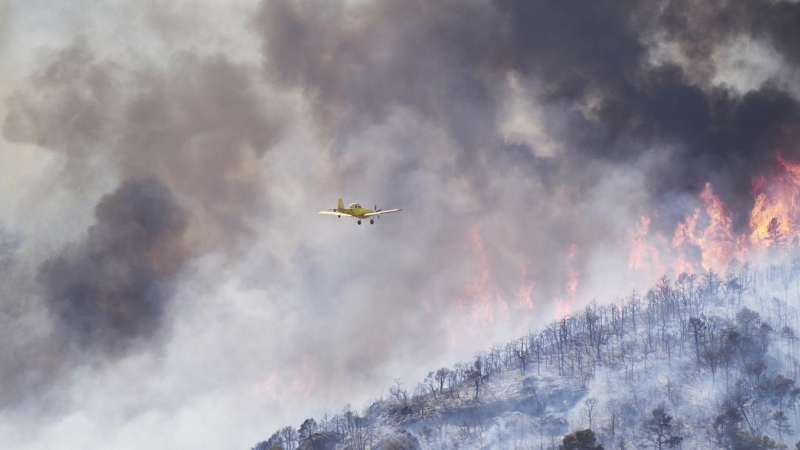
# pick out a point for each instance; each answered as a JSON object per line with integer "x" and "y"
{"x": 359, "y": 222}
{"x": 371, "y": 221}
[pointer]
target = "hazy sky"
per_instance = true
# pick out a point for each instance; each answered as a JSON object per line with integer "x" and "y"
{"x": 166, "y": 281}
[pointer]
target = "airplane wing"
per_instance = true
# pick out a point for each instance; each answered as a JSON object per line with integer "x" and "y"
{"x": 335, "y": 213}
{"x": 385, "y": 211}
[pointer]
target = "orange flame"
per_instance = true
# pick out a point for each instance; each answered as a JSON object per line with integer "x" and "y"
{"x": 774, "y": 218}
{"x": 716, "y": 242}
{"x": 647, "y": 253}
{"x": 685, "y": 234}
{"x": 572, "y": 274}
{"x": 482, "y": 292}
{"x": 643, "y": 254}
{"x": 290, "y": 383}
{"x": 484, "y": 301}
{"x": 524, "y": 298}
{"x": 564, "y": 306}
{"x": 708, "y": 232}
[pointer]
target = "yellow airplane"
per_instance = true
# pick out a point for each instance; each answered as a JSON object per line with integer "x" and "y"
{"x": 358, "y": 211}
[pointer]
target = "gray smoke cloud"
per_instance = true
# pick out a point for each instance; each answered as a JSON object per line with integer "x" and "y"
{"x": 181, "y": 141}
{"x": 203, "y": 109}
{"x": 4, "y": 21}
{"x": 193, "y": 283}
{"x": 207, "y": 111}
{"x": 113, "y": 287}
{"x": 595, "y": 61}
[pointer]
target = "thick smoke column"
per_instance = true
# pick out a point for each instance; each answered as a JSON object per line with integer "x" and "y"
{"x": 595, "y": 62}
{"x": 113, "y": 287}
{"x": 177, "y": 145}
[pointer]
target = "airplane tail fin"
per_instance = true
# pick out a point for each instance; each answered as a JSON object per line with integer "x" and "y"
{"x": 341, "y": 204}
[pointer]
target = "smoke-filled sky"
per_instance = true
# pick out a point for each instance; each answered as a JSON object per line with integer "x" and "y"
{"x": 166, "y": 281}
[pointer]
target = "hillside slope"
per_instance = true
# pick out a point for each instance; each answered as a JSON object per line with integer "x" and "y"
{"x": 703, "y": 362}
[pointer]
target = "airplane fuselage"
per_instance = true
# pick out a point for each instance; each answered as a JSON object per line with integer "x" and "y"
{"x": 357, "y": 212}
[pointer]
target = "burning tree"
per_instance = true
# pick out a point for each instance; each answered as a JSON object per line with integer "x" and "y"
{"x": 774, "y": 235}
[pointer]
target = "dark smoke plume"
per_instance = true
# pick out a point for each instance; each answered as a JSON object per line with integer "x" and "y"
{"x": 113, "y": 287}
{"x": 592, "y": 61}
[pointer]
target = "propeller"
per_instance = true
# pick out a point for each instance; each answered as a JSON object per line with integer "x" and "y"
{"x": 377, "y": 211}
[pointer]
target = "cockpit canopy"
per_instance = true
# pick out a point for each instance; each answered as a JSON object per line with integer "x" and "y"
{"x": 354, "y": 205}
